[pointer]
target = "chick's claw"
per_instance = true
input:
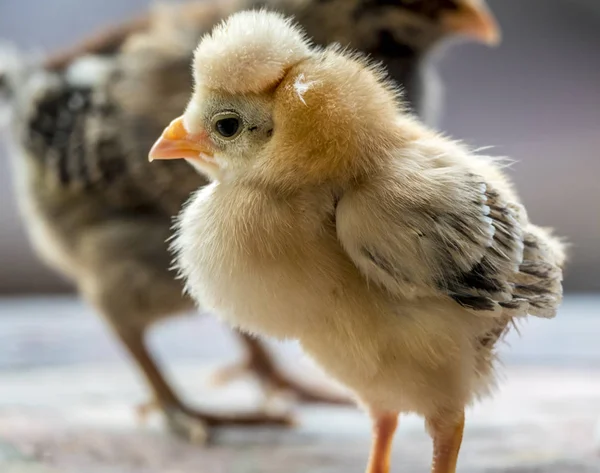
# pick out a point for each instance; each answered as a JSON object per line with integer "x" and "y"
{"x": 181, "y": 423}
{"x": 190, "y": 428}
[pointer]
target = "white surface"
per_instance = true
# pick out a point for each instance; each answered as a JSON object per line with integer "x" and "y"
{"x": 67, "y": 393}
{"x": 41, "y": 331}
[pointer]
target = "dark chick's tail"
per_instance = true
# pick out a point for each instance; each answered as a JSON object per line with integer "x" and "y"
{"x": 23, "y": 78}
{"x": 10, "y": 66}
{"x": 15, "y": 71}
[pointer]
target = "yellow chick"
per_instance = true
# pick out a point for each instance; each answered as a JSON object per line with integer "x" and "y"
{"x": 396, "y": 256}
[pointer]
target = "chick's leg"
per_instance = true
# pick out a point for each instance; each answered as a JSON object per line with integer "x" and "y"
{"x": 260, "y": 363}
{"x": 182, "y": 420}
{"x": 384, "y": 427}
{"x": 127, "y": 278}
{"x": 447, "y": 433}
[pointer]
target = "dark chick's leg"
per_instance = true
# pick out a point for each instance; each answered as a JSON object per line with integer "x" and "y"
{"x": 260, "y": 363}
{"x": 184, "y": 421}
{"x": 129, "y": 282}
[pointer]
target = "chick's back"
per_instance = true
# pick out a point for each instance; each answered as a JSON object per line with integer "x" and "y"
{"x": 82, "y": 137}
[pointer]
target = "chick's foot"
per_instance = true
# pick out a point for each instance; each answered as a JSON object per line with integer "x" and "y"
{"x": 191, "y": 424}
{"x": 194, "y": 425}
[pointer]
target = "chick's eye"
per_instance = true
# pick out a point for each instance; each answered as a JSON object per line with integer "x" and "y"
{"x": 227, "y": 125}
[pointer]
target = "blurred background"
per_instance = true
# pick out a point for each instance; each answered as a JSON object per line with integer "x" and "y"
{"x": 536, "y": 99}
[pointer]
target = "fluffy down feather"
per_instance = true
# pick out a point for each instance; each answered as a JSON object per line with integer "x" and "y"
{"x": 238, "y": 57}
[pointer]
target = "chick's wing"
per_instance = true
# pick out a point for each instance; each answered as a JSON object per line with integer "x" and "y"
{"x": 440, "y": 230}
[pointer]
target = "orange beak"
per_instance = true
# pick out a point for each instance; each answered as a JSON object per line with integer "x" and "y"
{"x": 176, "y": 143}
{"x": 474, "y": 20}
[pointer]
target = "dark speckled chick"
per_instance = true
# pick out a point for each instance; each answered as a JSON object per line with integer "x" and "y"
{"x": 100, "y": 214}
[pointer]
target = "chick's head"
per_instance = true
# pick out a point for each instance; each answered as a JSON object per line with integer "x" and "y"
{"x": 442, "y": 18}
{"x": 269, "y": 107}
{"x": 409, "y": 28}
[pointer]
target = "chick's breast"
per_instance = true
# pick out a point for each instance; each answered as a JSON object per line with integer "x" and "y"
{"x": 294, "y": 280}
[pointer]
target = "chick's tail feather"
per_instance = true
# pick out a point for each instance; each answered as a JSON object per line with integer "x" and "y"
{"x": 23, "y": 78}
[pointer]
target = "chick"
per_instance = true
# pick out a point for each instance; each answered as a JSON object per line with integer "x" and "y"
{"x": 395, "y": 256}
{"x": 100, "y": 214}
{"x": 400, "y": 33}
